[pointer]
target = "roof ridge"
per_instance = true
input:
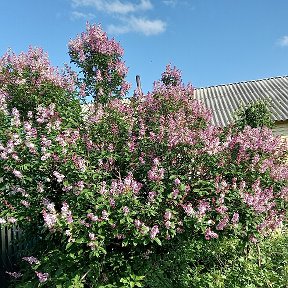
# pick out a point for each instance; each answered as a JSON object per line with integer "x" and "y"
{"x": 240, "y": 82}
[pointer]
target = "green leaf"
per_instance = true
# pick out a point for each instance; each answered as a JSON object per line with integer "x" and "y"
{"x": 157, "y": 240}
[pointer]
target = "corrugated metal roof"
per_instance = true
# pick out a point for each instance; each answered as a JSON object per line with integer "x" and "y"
{"x": 224, "y": 100}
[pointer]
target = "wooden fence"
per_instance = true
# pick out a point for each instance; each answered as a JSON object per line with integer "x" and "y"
{"x": 9, "y": 245}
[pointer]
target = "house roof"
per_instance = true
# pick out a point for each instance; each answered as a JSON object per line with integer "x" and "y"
{"x": 224, "y": 100}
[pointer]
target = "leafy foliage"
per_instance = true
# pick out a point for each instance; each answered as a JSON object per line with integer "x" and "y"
{"x": 256, "y": 114}
{"x": 223, "y": 262}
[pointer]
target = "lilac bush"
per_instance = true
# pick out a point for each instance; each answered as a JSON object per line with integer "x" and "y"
{"x": 125, "y": 178}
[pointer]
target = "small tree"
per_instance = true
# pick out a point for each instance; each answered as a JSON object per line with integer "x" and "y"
{"x": 99, "y": 59}
{"x": 256, "y": 114}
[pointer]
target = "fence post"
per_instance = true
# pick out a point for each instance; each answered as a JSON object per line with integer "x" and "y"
{"x": 138, "y": 91}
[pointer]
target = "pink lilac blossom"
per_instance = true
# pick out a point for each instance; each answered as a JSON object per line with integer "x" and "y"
{"x": 59, "y": 177}
{"x": 31, "y": 146}
{"x": 188, "y": 209}
{"x": 66, "y": 213}
{"x": 256, "y": 139}
{"x": 17, "y": 173}
{"x": 45, "y": 142}
{"x": 15, "y": 275}
{"x": 151, "y": 196}
{"x": 30, "y": 131}
{"x": 266, "y": 164}
{"x": 82, "y": 90}
{"x": 154, "y": 231}
{"x": 2, "y": 221}
{"x": 105, "y": 215}
{"x": 11, "y": 220}
{"x": 261, "y": 200}
{"x": 280, "y": 172}
{"x": 272, "y": 221}
{"x": 112, "y": 202}
{"x": 177, "y": 182}
{"x": 16, "y": 157}
{"x": 125, "y": 210}
{"x": 171, "y": 76}
{"x": 31, "y": 260}
{"x": 167, "y": 215}
{"x": 137, "y": 223}
{"x": 80, "y": 185}
{"x": 3, "y": 104}
{"x": 253, "y": 239}
{"x": 180, "y": 228}
{"x": 120, "y": 236}
{"x": 92, "y": 236}
{"x": 222, "y": 209}
{"x": 49, "y": 205}
{"x": 5, "y": 154}
{"x": 97, "y": 40}
{"x": 155, "y": 174}
{"x": 37, "y": 63}
{"x": 92, "y": 245}
{"x": 235, "y": 218}
{"x": 44, "y": 114}
{"x": 125, "y": 86}
{"x": 25, "y": 203}
{"x": 79, "y": 162}
{"x": 211, "y": 141}
{"x": 50, "y": 219}
{"x": 209, "y": 234}
{"x": 284, "y": 193}
{"x": 67, "y": 188}
{"x": 82, "y": 222}
{"x": 203, "y": 207}
{"x": 167, "y": 224}
{"x": 128, "y": 184}
{"x": 98, "y": 76}
{"x": 242, "y": 185}
{"x": 92, "y": 217}
{"x": 121, "y": 68}
{"x": 15, "y": 121}
{"x": 43, "y": 277}
{"x": 223, "y": 223}
{"x": 68, "y": 233}
{"x": 175, "y": 193}
{"x": 234, "y": 183}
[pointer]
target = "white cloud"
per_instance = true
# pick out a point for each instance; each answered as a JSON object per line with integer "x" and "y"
{"x": 283, "y": 41}
{"x": 118, "y": 29}
{"x": 140, "y": 25}
{"x": 171, "y": 3}
{"x": 123, "y": 11}
{"x": 115, "y": 6}
{"x": 75, "y": 15}
{"x": 148, "y": 27}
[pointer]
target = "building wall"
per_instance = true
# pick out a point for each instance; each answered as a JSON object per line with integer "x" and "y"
{"x": 281, "y": 128}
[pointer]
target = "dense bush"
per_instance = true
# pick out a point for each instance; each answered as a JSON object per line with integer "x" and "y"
{"x": 101, "y": 190}
{"x": 255, "y": 114}
{"x": 220, "y": 263}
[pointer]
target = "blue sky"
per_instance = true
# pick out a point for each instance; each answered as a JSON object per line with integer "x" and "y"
{"x": 211, "y": 41}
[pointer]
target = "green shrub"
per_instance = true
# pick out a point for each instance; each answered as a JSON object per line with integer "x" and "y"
{"x": 255, "y": 114}
{"x": 223, "y": 262}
